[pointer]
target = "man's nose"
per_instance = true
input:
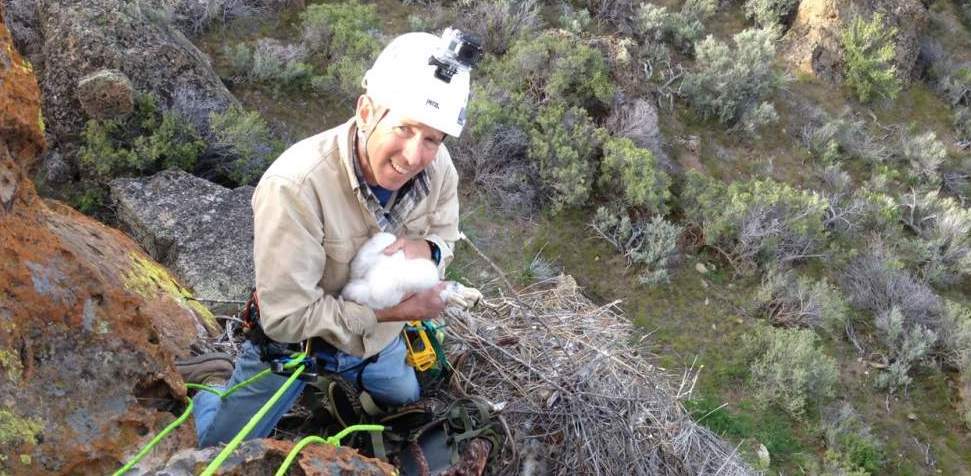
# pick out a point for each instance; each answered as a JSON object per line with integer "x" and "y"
{"x": 412, "y": 152}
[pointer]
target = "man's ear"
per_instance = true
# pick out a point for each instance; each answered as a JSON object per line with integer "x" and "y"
{"x": 363, "y": 112}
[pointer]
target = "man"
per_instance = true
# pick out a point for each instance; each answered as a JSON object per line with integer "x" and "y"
{"x": 384, "y": 170}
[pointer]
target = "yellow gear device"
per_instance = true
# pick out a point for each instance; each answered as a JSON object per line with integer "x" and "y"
{"x": 421, "y": 354}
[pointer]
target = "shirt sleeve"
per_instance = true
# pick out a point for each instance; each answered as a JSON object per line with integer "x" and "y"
{"x": 289, "y": 259}
{"x": 444, "y": 226}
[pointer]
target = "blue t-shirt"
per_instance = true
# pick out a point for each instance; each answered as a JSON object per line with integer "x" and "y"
{"x": 382, "y": 194}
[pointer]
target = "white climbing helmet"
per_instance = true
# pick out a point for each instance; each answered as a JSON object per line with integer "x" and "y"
{"x": 409, "y": 79}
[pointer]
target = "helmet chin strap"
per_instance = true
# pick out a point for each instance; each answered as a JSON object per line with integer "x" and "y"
{"x": 367, "y": 137}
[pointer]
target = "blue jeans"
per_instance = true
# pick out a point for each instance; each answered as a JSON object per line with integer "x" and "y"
{"x": 390, "y": 380}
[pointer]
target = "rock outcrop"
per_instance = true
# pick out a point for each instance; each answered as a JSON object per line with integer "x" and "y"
{"x": 201, "y": 231}
{"x": 81, "y": 37}
{"x": 259, "y": 457}
{"x": 812, "y": 44}
{"x": 89, "y": 324}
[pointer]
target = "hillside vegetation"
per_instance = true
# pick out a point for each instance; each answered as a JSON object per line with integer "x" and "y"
{"x": 794, "y": 224}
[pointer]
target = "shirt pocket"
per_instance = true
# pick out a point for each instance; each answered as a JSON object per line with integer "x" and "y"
{"x": 339, "y": 253}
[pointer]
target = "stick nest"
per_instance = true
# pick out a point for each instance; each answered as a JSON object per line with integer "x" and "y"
{"x": 577, "y": 394}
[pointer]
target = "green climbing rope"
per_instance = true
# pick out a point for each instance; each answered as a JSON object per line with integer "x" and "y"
{"x": 331, "y": 440}
{"x": 296, "y": 360}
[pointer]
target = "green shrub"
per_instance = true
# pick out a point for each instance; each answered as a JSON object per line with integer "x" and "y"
{"x": 851, "y": 448}
{"x": 726, "y": 83}
{"x": 769, "y": 12}
{"x": 563, "y": 143}
{"x": 143, "y": 143}
{"x": 868, "y": 54}
{"x": 756, "y": 222}
{"x": 789, "y": 369}
{"x": 248, "y": 140}
{"x": 555, "y": 66}
{"x": 344, "y": 37}
{"x": 789, "y": 300}
{"x": 653, "y": 243}
{"x": 682, "y": 29}
{"x": 632, "y": 171}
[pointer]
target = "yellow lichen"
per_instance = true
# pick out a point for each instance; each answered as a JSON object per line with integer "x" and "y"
{"x": 147, "y": 278}
{"x": 40, "y": 121}
{"x": 14, "y": 429}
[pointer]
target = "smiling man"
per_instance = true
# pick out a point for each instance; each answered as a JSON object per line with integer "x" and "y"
{"x": 383, "y": 170}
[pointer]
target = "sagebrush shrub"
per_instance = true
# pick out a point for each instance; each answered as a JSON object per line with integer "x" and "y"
{"x": 868, "y": 54}
{"x": 962, "y": 123}
{"x": 756, "y": 222}
{"x": 789, "y": 300}
{"x": 955, "y": 337}
{"x": 789, "y": 369}
{"x": 876, "y": 282}
{"x": 769, "y": 12}
{"x": 924, "y": 153}
{"x": 757, "y": 118}
{"x": 727, "y": 82}
{"x": 908, "y": 344}
{"x": 563, "y": 143}
{"x": 843, "y": 137}
{"x": 499, "y": 23}
{"x": 652, "y": 243}
{"x": 574, "y": 21}
{"x": 270, "y": 63}
{"x": 943, "y": 228}
{"x": 682, "y": 28}
{"x": 245, "y": 136}
{"x": 632, "y": 172}
{"x": 851, "y": 210}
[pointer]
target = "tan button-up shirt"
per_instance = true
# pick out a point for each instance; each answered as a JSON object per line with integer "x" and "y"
{"x": 310, "y": 219}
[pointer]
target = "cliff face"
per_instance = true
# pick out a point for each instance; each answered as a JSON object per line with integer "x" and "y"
{"x": 89, "y": 325}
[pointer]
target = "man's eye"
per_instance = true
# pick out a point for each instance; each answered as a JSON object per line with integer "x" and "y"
{"x": 401, "y": 130}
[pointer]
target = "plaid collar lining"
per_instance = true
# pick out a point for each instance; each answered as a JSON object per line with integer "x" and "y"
{"x": 408, "y": 197}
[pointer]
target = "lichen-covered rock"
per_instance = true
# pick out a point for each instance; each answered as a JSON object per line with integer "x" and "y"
{"x": 89, "y": 325}
{"x": 201, "y": 231}
{"x": 106, "y": 94}
{"x": 812, "y": 44}
{"x": 263, "y": 457}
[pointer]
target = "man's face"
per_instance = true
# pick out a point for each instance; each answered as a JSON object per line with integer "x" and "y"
{"x": 400, "y": 148}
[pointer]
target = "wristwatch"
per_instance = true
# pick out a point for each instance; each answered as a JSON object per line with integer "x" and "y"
{"x": 436, "y": 253}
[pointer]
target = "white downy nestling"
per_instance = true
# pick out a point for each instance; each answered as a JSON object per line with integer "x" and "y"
{"x": 380, "y": 281}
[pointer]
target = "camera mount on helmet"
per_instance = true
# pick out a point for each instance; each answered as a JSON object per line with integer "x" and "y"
{"x": 458, "y": 52}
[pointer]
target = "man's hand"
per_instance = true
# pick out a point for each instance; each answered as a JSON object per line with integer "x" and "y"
{"x": 413, "y": 248}
{"x": 420, "y": 306}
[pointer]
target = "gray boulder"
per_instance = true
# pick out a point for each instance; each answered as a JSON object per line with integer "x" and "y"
{"x": 201, "y": 231}
{"x": 80, "y": 37}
